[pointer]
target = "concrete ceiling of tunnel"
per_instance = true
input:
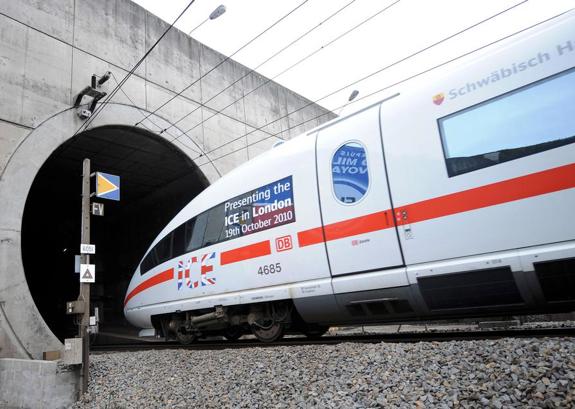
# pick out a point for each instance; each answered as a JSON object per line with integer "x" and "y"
{"x": 146, "y": 162}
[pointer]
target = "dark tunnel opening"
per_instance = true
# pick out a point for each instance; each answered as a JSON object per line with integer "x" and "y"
{"x": 157, "y": 180}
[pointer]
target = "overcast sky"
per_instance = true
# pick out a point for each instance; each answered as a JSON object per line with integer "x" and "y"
{"x": 404, "y": 28}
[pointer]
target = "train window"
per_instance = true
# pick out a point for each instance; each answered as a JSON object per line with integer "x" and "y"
{"x": 178, "y": 242}
{"x": 163, "y": 249}
{"x": 199, "y": 231}
{"x": 161, "y": 252}
{"x": 350, "y": 173}
{"x": 529, "y": 120}
{"x": 215, "y": 226}
{"x": 188, "y": 228}
{"x": 148, "y": 262}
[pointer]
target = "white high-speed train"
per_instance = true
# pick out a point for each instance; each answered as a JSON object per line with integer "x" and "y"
{"x": 453, "y": 197}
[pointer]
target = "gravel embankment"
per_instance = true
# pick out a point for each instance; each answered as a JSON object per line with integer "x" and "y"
{"x": 505, "y": 373}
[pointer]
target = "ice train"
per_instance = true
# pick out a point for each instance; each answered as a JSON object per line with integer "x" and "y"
{"x": 452, "y": 197}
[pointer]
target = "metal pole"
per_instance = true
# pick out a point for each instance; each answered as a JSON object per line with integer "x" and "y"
{"x": 85, "y": 287}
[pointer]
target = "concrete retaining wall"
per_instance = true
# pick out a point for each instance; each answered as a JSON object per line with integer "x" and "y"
{"x": 36, "y": 384}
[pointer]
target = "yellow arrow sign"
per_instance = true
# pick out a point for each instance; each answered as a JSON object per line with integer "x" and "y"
{"x": 104, "y": 185}
{"x": 107, "y": 186}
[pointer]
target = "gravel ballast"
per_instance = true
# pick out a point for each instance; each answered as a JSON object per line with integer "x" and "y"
{"x": 503, "y": 373}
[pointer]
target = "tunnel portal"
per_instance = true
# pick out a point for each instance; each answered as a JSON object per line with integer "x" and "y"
{"x": 157, "y": 180}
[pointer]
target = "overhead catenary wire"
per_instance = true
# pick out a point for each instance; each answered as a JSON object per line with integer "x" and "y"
{"x": 339, "y": 37}
{"x": 201, "y": 151}
{"x": 198, "y": 26}
{"x": 141, "y": 111}
{"x": 369, "y": 76}
{"x": 103, "y": 105}
{"x": 260, "y": 65}
{"x": 159, "y": 127}
{"x": 227, "y": 58}
{"x": 397, "y": 83}
{"x": 323, "y": 47}
{"x": 195, "y": 102}
{"x": 376, "y": 72}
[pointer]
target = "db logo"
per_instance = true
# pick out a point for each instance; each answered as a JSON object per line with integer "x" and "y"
{"x": 439, "y": 98}
{"x": 284, "y": 243}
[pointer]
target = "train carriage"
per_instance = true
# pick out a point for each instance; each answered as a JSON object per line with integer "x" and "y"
{"x": 453, "y": 197}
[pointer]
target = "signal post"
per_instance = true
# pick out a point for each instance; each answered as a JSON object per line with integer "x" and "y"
{"x": 85, "y": 286}
{"x": 77, "y": 350}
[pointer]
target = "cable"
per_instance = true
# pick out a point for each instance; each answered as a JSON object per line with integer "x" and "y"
{"x": 227, "y": 58}
{"x": 336, "y": 39}
{"x": 200, "y": 153}
{"x": 129, "y": 74}
{"x": 258, "y": 66}
{"x": 142, "y": 112}
{"x": 379, "y": 71}
{"x": 198, "y": 26}
{"x": 403, "y": 80}
{"x": 371, "y": 75}
{"x": 204, "y": 106}
{"x": 300, "y": 61}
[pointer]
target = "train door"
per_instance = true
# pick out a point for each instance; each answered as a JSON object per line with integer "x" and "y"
{"x": 358, "y": 219}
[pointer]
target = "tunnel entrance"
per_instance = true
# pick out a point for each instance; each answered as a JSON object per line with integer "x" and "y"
{"x": 157, "y": 180}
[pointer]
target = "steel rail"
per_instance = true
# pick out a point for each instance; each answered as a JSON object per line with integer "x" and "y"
{"x": 407, "y": 337}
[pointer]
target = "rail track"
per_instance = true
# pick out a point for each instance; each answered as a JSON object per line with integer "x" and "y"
{"x": 409, "y": 337}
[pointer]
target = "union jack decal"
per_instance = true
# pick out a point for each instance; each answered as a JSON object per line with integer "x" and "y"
{"x": 207, "y": 268}
{"x": 181, "y": 272}
{"x": 184, "y": 266}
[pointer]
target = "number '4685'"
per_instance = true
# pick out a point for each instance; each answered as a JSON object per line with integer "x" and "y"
{"x": 270, "y": 269}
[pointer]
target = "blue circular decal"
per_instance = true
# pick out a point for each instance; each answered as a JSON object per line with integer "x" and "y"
{"x": 349, "y": 173}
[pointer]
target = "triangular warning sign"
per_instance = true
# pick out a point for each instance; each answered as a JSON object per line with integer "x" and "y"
{"x": 104, "y": 185}
{"x": 87, "y": 274}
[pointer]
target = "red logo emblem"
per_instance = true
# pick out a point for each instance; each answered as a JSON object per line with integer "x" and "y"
{"x": 284, "y": 243}
{"x": 438, "y": 99}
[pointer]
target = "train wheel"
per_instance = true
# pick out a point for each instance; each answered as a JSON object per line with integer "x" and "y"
{"x": 314, "y": 331}
{"x": 233, "y": 333}
{"x": 185, "y": 339}
{"x": 268, "y": 333}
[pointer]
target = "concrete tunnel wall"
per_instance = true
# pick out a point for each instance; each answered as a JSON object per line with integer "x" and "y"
{"x": 27, "y": 333}
{"x": 49, "y": 49}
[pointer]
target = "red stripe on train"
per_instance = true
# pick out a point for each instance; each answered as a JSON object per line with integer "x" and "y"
{"x": 157, "y": 279}
{"x": 260, "y": 249}
{"x": 346, "y": 228}
{"x": 309, "y": 237}
{"x": 523, "y": 187}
